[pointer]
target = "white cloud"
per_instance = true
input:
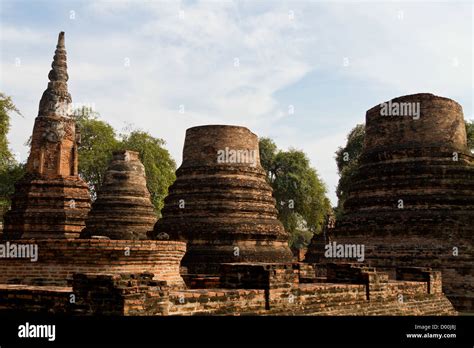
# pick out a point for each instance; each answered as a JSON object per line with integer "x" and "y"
{"x": 187, "y": 58}
{"x": 20, "y": 35}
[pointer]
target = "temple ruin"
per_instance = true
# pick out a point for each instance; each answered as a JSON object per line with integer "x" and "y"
{"x": 51, "y": 201}
{"x": 221, "y": 204}
{"x": 50, "y": 206}
{"x": 219, "y": 248}
{"x": 412, "y": 200}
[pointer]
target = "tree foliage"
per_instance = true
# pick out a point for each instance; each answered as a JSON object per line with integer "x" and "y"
{"x": 160, "y": 167}
{"x": 99, "y": 140}
{"x": 10, "y": 170}
{"x": 9, "y": 175}
{"x": 299, "y": 192}
{"x": 470, "y": 134}
{"x": 347, "y": 160}
{"x": 6, "y": 108}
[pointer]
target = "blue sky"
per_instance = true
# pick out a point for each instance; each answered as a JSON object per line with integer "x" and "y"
{"x": 238, "y": 62}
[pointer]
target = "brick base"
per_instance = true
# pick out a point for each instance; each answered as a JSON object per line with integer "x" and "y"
{"x": 59, "y": 259}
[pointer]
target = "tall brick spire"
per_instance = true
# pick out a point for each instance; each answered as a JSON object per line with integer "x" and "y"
{"x": 54, "y": 144}
{"x": 51, "y": 201}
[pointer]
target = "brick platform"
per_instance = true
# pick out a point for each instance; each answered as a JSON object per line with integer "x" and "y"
{"x": 256, "y": 289}
{"x": 59, "y": 259}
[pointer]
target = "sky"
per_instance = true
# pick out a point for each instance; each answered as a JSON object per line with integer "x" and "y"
{"x": 300, "y": 72}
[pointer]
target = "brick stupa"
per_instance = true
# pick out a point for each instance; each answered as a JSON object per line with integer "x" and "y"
{"x": 221, "y": 203}
{"x": 51, "y": 201}
{"x": 123, "y": 209}
{"x": 412, "y": 201}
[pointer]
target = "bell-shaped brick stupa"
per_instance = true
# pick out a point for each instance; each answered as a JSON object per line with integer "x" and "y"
{"x": 221, "y": 203}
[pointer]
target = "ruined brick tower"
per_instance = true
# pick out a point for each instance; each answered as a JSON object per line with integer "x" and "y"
{"x": 221, "y": 203}
{"x": 123, "y": 209}
{"x": 416, "y": 175}
{"x": 51, "y": 201}
{"x": 412, "y": 201}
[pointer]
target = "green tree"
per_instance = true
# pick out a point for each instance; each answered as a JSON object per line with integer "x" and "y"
{"x": 6, "y": 108}
{"x": 9, "y": 175}
{"x": 160, "y": 167}
{"x": 99, "y": 140}
{"x": 470, "y": 134}
{"x": 299, "y": 192}
{"x": 10, "y": 170}
{"x": 347, "y": 160}
{"x": 268, "y": 152}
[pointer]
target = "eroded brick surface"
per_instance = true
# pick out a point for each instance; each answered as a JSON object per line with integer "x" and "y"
{"x": 58, "y": 260}
{"x": 412, "y": 201}
{"x": 224, "y": 210}
{"x": 263, "y": 289}
{"x": 123, "y": 209}
{"x": 51, "y": 201}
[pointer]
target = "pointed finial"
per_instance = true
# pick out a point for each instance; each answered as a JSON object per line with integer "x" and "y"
{"x": 59, "y": 71}
{"x": 56, "y": 98}
{"x": 61, "y": 40}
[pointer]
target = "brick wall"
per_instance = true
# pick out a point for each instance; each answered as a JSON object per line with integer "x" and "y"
{"x": 275, "y": 292}
{"x": 350, "y": 289}
{"x": 119, "y": 294}
{"x": 39, "y": 299}
{"x": 59, "y": 259}
{"x": 389, "y": 253}
{"x": 217, "y": 302}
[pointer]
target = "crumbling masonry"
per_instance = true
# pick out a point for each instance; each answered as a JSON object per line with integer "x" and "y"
{"x": 220, "y": 207}
{"x": 412, "y": 201}
{"x": 223, "y": 207}
{"x": 51, "y": 201}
